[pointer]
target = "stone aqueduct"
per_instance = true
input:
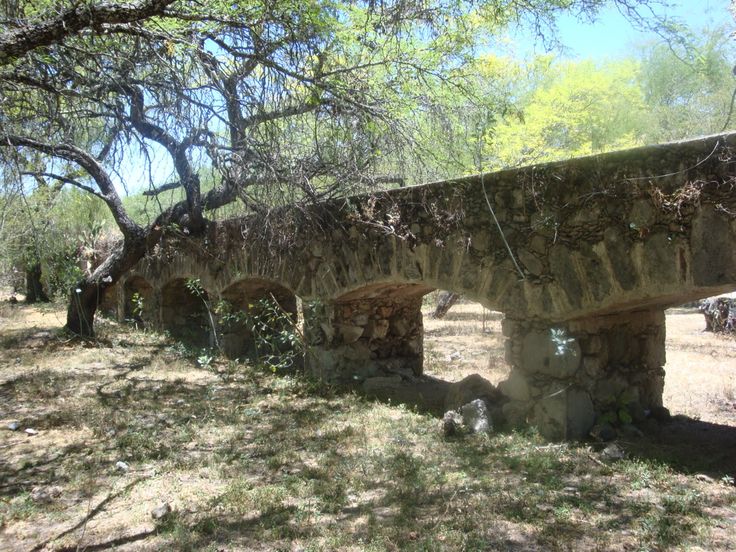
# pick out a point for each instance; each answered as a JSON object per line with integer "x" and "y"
{"x": 581, "y": 256}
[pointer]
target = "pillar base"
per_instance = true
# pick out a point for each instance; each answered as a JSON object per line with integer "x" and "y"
{"x": 567, "y": 377}
{"x": 351, "y": 341}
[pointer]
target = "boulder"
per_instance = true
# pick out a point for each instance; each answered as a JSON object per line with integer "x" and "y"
{"x": 470, "y": 388}
{"x": 476, "y": 416}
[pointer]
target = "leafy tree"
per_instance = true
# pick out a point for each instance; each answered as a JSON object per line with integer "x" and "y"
{"x": 47, "y": 234}
{"x": 687, "y": 89}
{"x": 279, "y": 101}
{"x": 573, "y": 108}
{"x": 578, "y": 108}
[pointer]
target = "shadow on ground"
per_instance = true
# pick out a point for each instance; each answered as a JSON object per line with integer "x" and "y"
{"x": 690, "y": 446}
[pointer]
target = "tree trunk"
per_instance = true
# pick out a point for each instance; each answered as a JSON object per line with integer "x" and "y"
{"x": 34, "y": 287}
{"x": 445, "y": 301}
{"x": 720, "y": 314}
{"x": 86, "y": 296}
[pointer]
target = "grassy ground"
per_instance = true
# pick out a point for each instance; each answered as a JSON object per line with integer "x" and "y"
{"x": 254, "y": 461}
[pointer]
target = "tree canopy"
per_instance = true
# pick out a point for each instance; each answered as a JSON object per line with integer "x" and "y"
{"x": 255, "y": 102}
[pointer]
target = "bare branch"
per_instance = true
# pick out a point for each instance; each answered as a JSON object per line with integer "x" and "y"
{"x": 85, "y": 160}
{"x": 64, "y": 180}
{"x": 162, "y": 189}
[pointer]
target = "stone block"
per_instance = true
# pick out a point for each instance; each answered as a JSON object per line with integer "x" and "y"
{"x": 568, "y": 414}
{"x": 655, "y": 353}
{"x": 328, "y": 330}
{"x": 377, "y": 329}
{"x": 608, "y": 390}
{"x": 416, "y": 345}
{"x": 378, "y": 385}
{"x": 399, "y": 327}
{"x": 476, "y": 416}
{"x": 515, "y": 387}
{"x": 592, "y": 345}
{"x": 580, "y": 414}
{"x": 320, "y": 364}
{"x": 355, "y": 351}
{"x": 562, "y": 267}
{"x": 530, "y": 262}
{"x": 481, "y": 241}
{"x": 538, "y": 244}
{"x": 360, "y": 319}
{"x": 593, "y": 366}
{"x": 509, "y": 327}
{"x": 518, "y": 197}
{"x": 384, "y": 312}
{"x": 508, "y": 353}
{"x": 550, "y": 352}
{"x": 642, "y": 214}
{"x": 468, "y": 389}
{"x": 515, "y": 413}
{"x": 349, "y": 333}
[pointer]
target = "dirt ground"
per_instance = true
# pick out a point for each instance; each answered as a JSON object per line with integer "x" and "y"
{"x": 251, "y": 460}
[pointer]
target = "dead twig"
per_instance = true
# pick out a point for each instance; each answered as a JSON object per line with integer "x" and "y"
{"x": 90, "y": 514}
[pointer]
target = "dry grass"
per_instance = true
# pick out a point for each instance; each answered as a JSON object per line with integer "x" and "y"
{"x": 466, "y": 341}
{"x": 701, "y": 370}
{"x": 253, "y": 461}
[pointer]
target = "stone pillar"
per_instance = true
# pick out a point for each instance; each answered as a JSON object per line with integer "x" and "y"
{"x": 351, "y": 341}
{"x": 567, "y": 377}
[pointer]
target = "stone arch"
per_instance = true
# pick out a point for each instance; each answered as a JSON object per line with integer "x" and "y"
{"x": 184, "y": 313}
{"x": 247, "y": 297}
{"x": 138, "y": 300}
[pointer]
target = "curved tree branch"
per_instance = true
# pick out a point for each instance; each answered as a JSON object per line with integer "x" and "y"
{"x": 18, "y": 42}
{"x": 95, "y": 170}
{"x": 177, "y": 150}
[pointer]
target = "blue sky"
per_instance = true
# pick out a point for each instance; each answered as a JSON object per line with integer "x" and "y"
{"x": 611, "y": 35}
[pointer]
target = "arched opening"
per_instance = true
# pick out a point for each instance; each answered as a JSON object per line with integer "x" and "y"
{"x": 462, "y": 340}
{"x": 372, "y": 338}
{"x": 137, "y": 301}
{"x": 700, "y": 372}
{"x": 254, "y": 318}
{"x": 185, "y": 312}
{"x": 379, "y": 328}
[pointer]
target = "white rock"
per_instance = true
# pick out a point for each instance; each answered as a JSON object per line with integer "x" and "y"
{"x": 613, "y": 452}
{"x": 476, "y": 416}
{"x": 161, "y": 511}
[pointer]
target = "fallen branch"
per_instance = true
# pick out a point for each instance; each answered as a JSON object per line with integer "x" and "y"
{"x": 92, "y": 513}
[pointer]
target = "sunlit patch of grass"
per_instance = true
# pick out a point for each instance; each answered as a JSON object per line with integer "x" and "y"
{"x": 643, "y": 474}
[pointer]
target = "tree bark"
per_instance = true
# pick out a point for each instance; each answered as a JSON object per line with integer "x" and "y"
{"x": 445, "y": 301}
{"x": 34, "y": 288}
{"x": 86, "y": 296}
{"x": 17, "y": 42}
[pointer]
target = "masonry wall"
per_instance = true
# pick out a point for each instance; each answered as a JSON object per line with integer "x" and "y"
{"x": 356, "y": 338}
{"x": 589, "y": 250}
{"x": 567, "y": 377}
